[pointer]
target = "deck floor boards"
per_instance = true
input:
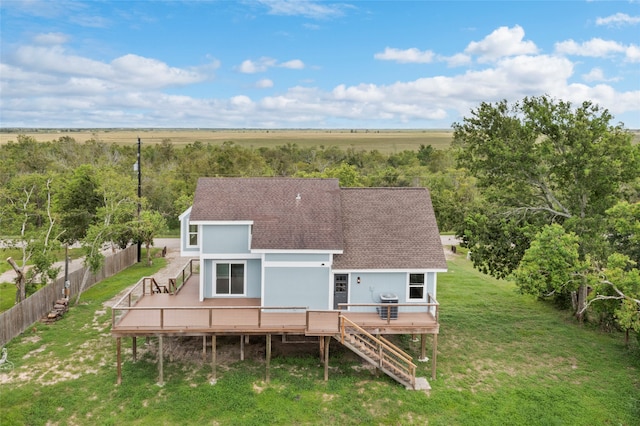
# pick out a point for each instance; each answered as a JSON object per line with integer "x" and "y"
{"x": 179, "y": 315}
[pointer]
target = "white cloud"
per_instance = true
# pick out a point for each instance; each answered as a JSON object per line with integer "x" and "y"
{"x": 457, "y": 60}
{"x": 50, "y": 39}
{"x": 596, "y": 74}
{"x": 265, "y": 83}
{"x": 598, "y": 48}
{"x": 618, "y": 20}
{"x": 45, "y": 85}
{"x": 500, "y": 43}
{"x": 294, "y": 64}
{"x": 308, "y": 9}
{"x": 263, "y": 64}
{"x": 412, "y": 55}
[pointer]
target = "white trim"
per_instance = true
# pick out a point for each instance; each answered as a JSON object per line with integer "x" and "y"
{"x": 408, "y": 298}
{"x": 201, "y": 281}
{"x": 198, "y": 233}
{"x": 184, "y": 213}
{"x": 229, "y": 256}
{"x": 262, "y": 279}
{"x": 276, "y": 264}
{"x": 222, "y": 222}
{"x": 214, "y": 277}
{"x": 363, "y": 271}
{"x": 295, "y": 251}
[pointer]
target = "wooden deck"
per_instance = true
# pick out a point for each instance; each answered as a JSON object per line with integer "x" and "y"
{"x": 184, "y": 314}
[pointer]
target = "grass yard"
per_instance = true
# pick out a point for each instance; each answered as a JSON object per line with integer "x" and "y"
{"x": 385, "y": 141}
{"x": 503, "y": 358}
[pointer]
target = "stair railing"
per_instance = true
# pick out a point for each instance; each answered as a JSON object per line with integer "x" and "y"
{"x": 388, "y": 356}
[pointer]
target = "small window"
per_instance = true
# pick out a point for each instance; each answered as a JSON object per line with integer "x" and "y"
{"x": 193, "y": 235}
{"x": 416, "y": 287}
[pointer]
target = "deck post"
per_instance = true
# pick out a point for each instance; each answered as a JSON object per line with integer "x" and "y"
{"x": 423, "y": 346}
{"x": 433, "y": 360}
{"x": 213, "y": 359}
{"x": 268, "y": 357}
{"x": 119, "y": 360}
{"x": 327, "y": 340}
{"x": 160, "y": 360}
{"x": 204, "y": 348}
{"x": 321, "y": 340}
{"x": 134, "y": 348}
{"x": 241, "y": 347}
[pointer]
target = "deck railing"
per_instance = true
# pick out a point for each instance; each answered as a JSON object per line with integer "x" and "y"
{"x": 213, "y": 316}
{"x": 391, "y": 311}
{"x": 175, "y": 284}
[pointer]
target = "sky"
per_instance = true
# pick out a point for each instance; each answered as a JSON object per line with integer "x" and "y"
{"x": 308, "y": 64}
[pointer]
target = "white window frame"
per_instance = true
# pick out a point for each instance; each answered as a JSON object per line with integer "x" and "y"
{"x": 190, "y": 233}
{"x": 215, "y": 278}
{"x": 422, "y": 285}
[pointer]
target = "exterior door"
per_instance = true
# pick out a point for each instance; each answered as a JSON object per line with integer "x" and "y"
{"x": 340, "y": 289}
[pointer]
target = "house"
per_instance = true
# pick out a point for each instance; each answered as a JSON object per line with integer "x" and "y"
{"x": 308, "y": 242}
{"x": 327, "y": 261}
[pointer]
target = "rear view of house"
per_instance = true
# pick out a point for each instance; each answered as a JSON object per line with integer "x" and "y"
{"x": 308, "y": 242}
{"x": 364, "y": 257}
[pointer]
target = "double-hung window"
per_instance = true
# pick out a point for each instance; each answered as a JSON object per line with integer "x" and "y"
{"x": 230, "y": 279}
{"x": 417, "y": 289}
{"x": 193, "y": 236}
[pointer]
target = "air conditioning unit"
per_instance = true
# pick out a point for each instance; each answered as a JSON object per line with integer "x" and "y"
{"x": 391, "y": 311}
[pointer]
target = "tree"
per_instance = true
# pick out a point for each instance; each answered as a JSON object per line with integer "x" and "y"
{"x": 551, "y": 265}
{"x": 147, "y": 228}
{"x": 27, "y": 216}
{"x": 540, "y": 162}
{"x": 77, "y": 202}
{"x": 114, "y": 224}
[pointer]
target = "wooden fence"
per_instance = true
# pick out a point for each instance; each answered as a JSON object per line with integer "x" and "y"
{"x": 17, "y": 319}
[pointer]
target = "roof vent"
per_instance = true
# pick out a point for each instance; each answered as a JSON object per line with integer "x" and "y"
{"x": 298, "y": 197}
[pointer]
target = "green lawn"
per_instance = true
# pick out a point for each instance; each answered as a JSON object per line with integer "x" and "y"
{"x": 503, "y": 359}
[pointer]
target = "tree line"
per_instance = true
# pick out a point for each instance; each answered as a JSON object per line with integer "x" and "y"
{"x": 540, "y": 191}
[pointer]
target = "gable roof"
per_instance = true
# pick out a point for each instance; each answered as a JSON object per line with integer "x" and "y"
{"x": 389, "y": 228}
{"x": 287, "y": 213}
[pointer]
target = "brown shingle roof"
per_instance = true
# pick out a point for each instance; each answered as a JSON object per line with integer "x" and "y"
{"x": 389, "y": 228}
{"x": 280, "y": 221}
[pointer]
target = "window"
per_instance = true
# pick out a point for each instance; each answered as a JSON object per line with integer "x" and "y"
{"x": 416, "y": 287}
{"x": 229, "y": 278}
{"x": 193, "y": 235}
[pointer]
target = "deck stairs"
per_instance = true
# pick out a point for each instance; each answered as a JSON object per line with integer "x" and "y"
{"x": 380, "y": 353}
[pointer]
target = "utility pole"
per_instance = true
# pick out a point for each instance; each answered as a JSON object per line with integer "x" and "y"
{"x": 139, "y": 164}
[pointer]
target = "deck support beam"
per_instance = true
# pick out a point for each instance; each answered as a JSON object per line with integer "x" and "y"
{"x": 160, "y": 360}
{"x": 119, "y": 360}
{"x": 204, "y": 348}
{"x": 134, "y": 348}
{"x": 327, "y": 340}
{"x": 433, "y": 359}
{"x": 241, "y": 347}
{"x": 268, "y": 357}
{"x": 321, "y": 340}
{"x": 214, "y": 349}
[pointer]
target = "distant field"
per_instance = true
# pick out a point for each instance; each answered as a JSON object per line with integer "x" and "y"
{"x": 386, "y": 141}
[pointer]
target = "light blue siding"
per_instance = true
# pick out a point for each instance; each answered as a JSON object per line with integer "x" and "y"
{"x": 184, "y": 237}
{"x": 252, "y": 277}
{"x": 218, "y": 239}
{"x": 304, "y": 287}
{"x": 372, "y": 284}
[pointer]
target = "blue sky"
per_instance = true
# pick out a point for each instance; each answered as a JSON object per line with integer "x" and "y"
{"x": 308, "y": 64}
